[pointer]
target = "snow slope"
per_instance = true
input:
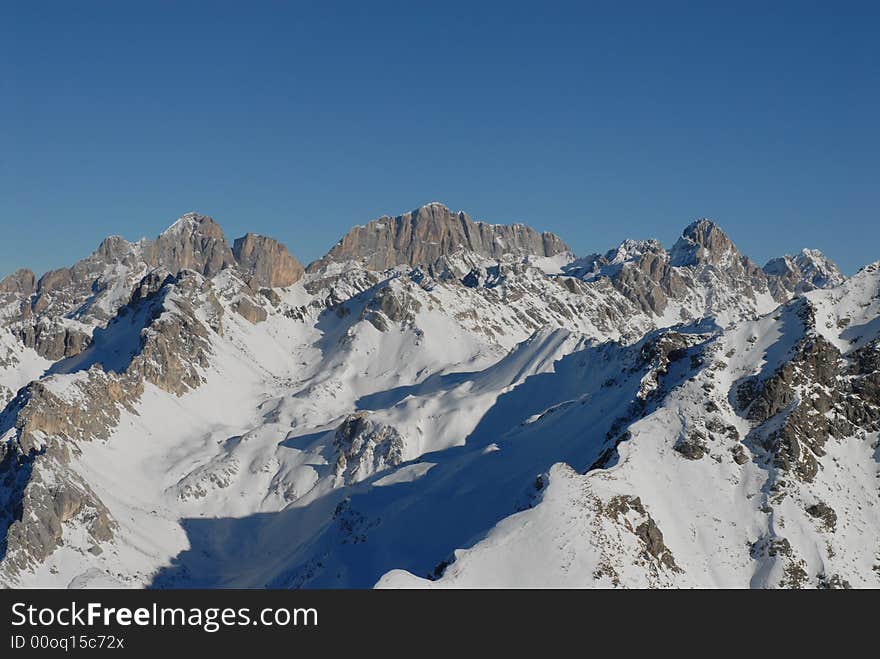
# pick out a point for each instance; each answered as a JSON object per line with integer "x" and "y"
{"x": 723, "y": 522}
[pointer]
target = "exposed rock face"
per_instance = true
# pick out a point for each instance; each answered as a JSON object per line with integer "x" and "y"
{"x": 55, "y": 315}
{"x": 114, "y": 248}
{"x": 91, "y": 288}
{"x": 661, "y": 349}
{"x": 91, "y": 291}
{"x": 251, "y": 312}
{"x": 176, "y": 346}
{"x": 265, "y": 262}
{"x": 195, "y": 242}
{"x": 51, "y": 416}
{"x": 707, "y": 249}
{"x": 90, "y": 412}
{"x": 807, "y": 271}
{"x": 641, "y": 270}
{"x": 424, "y": 235}
{"x": 150, "y": 285}
{"x": 692, "y": 446}
{"x": 51, "y": 339}
{"x": 703, "y": 241}
{"x": 818, "y": 269}
{"x": 391, "y": 304}
{"x": 702, "y": 275}
{"x": 631, "y": 514}
{"x": 816, "y": 395}
{"x": 21, "y": 283}
{"x": 364, "y": 447}
{"x": 54, "y": 496}
{"x": 94, "y": 288}
{"x": 825, "y": 514}
{"x": 48, "y": 493}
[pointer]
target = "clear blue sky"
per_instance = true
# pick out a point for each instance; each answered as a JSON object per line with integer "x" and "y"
{"x": 598, "y": 121}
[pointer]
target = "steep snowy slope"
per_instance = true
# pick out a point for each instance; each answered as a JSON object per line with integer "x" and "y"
{"x": 18, "y": 366}
{"x": 760, "y": 469}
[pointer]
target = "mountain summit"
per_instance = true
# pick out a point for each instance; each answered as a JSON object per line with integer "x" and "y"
{"x": 806, "y": 271}
{"x": 56, "y": 314}
{"x": 702, "y": 241}
{"x": 426, "y": 234}
{"x": 194, "y": 242}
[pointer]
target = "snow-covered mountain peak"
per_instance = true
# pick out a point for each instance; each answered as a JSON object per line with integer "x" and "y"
{"x": 703, "y": 275}
{"x": 818, "y": 269}
{"x": 188, "y": 223}
{"x": 847, "y": 315}
{"x": 631, "y": 249}
{"x": 805, "y": 271}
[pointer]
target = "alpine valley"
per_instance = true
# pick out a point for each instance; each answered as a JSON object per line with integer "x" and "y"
{"x": 439, "y": 402}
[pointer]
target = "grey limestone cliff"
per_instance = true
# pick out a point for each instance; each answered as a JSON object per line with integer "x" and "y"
{"x": 427, "y": 234}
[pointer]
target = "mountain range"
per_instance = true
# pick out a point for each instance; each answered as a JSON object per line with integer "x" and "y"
{"x": 439, "y": 402}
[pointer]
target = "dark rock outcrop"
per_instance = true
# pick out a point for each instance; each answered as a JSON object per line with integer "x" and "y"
{"x": 825, "y": 513}
{"x": 364, "y": 447}
{"x": 644, "y": 527}
{"x": 815, "y": 395}
{"x": 692, "y": 446}
{"x": 391, "y": 303}
{"x": 54, "y": 341}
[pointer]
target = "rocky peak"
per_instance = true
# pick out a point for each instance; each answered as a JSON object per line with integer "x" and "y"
{"x": 113, "y": 248}
{"x": 151, "y": 284}
{"x": 632, "y": 250}
{"x": 21, "y": 282}
{"x": 818, "y": 269}
{"x": 703, "y": 274}
{"x": 266, "y": 262}
{"x": 703, "y": 241}
{"x": 193, "y": 242}
{"x": 93, "y": 289}
{"x": 610, "y": 263}
{"x": 193, "y": 222}
{"x": 430, "y": 232}
{"x": 810, "y": 269}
